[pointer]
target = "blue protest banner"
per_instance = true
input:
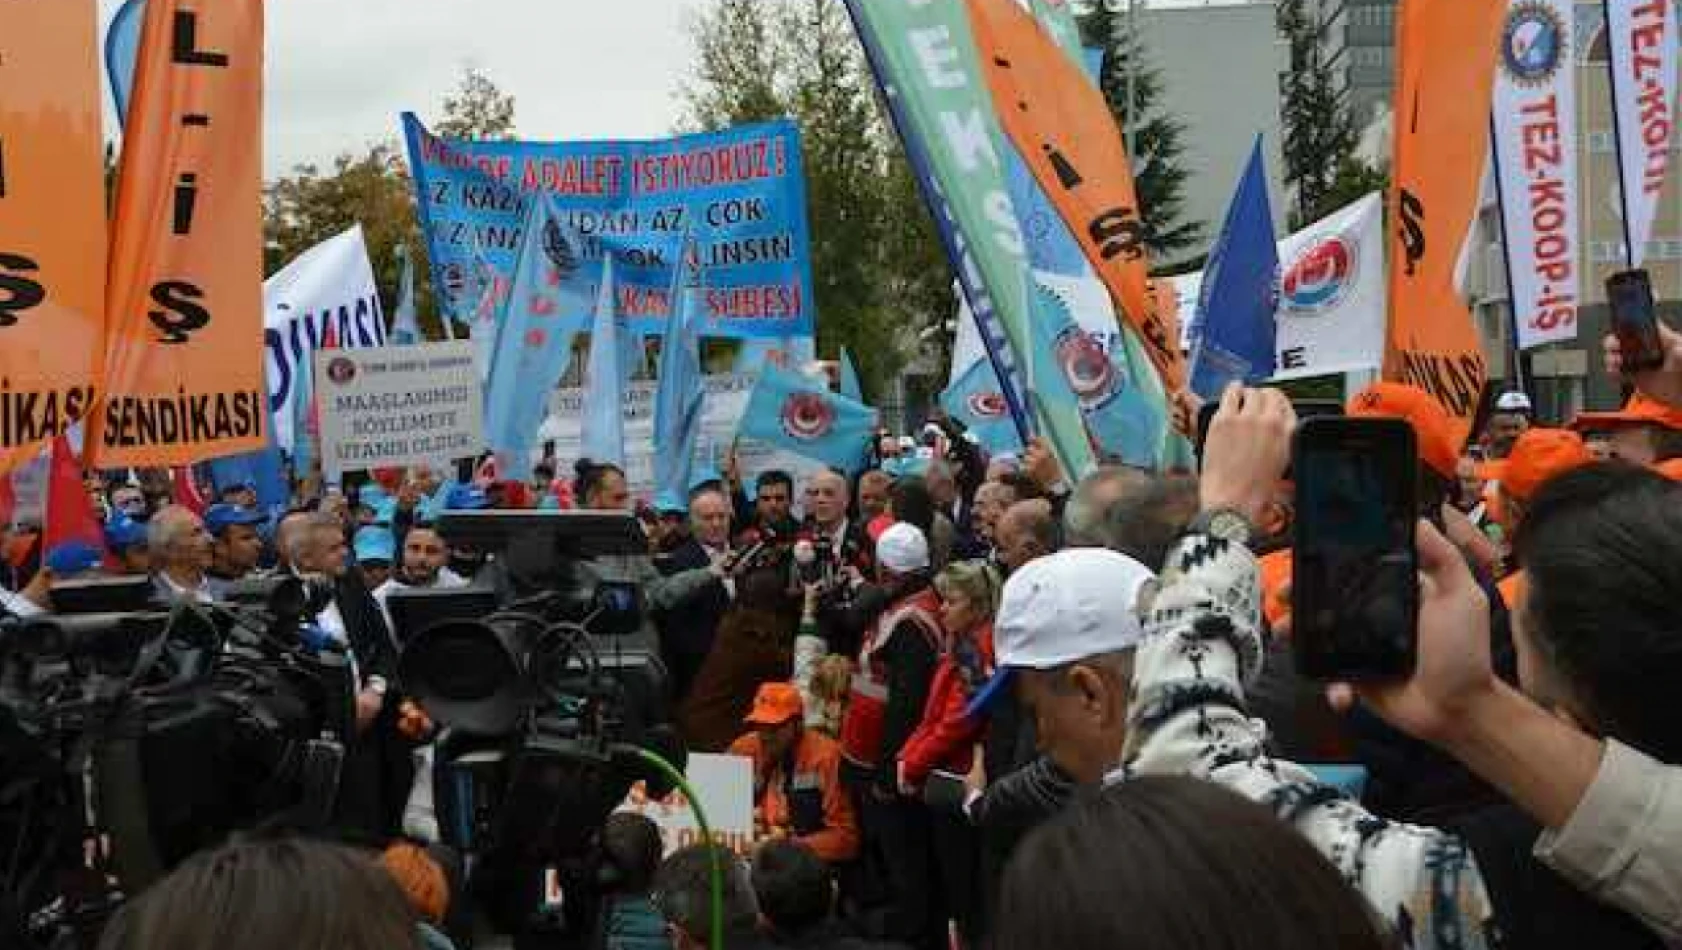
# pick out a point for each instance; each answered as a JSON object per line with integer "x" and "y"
{"x": 682, "y": 390}
{"x": 551, "y": 291}
{"x": 604, "y": 387}
{"x": 801, "y": 415}
{"x": 405, "y": 323}
{"x": 1233, "y": 335}
{"x": 975, "y": 400}
{"x": 122, "y": 51}
{"x": 740, "y": 192}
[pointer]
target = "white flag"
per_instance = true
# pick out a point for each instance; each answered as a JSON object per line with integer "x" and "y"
{"x": 1642, "y": 41}
{"x": 1331, "y": 294}
{"x": 329, "y": 284}
{"x": 1535, "y": 111}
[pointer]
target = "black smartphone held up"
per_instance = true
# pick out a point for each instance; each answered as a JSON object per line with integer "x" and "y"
{"x": 1354, "y": 583}
{"x": 1635, "y": 320}
{"x": 1305, "y": 409}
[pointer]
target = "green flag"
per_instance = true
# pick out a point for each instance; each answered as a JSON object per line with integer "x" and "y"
{"x": 924, "y": 57}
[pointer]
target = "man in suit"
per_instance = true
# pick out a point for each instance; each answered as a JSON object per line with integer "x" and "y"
{"x": 181, "y": 552}
{"x": 687, "y": 633}
{"x": 374, "y": 786}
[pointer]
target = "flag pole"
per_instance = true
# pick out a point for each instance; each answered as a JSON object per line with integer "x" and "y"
{"x": 1515, "y": 355}
{"x": 1617, "y": 140}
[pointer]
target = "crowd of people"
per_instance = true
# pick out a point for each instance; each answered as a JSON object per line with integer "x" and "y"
{"x": 988, "y": 708}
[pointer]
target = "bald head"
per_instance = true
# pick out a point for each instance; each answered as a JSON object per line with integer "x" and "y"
{"x": 1026, "y": 531}
{"x": 827, "y": 498}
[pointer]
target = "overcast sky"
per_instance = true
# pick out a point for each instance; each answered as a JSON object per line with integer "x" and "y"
{"x": 340, "y": 71}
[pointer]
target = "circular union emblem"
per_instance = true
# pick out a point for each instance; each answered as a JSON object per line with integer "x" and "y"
{"x": 985, "y": 405}
{"x": 1085, "y": 364}
{"x": 1320, "y": 277}
{"x": 1532, "y": 44}
{"x": 341, "y": 370}
{"x": 806, "y": 416}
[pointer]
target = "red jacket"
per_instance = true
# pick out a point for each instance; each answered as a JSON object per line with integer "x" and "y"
{"x": 946, "y": 739}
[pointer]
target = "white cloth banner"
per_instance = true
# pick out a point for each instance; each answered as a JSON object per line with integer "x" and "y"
{"x": 329, "y": 284}
{"x": 721, "y": 413}
{"x": 724, "y": 783}
{"x": 1642, "y": 42}
{"x": 1535, "y": 129}
{"x": 1331, "y": 294}
{"x": 395, "y": 406}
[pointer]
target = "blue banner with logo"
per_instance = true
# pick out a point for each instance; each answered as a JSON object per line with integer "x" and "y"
{"x": 975, "y": 400}
{"x": 740, "y": 193}
{"x": 800, "y": 415}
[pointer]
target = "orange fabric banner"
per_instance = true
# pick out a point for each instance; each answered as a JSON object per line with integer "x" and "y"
{"x": 52, "y": 222}
{"x": 1065, "y": 133}
{"x": 1445, "y": 82}
{"x": 183, "y": 371}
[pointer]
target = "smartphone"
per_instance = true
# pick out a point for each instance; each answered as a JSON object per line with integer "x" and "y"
{"x": 1354, "y": 583}
{"x": 1635, "y": 320}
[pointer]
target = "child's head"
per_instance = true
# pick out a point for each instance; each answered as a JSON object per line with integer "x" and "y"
{"x": 631, "y": 849}
{"x": 832, "y": 678}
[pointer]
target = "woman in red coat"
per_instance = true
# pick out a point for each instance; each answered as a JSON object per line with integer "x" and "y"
{"x": 947, "y": 740}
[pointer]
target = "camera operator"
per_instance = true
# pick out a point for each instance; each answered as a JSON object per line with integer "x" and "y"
{"x": 181, "y": 554}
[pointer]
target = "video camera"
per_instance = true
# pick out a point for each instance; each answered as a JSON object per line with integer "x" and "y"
{"x": 548, "y": 684}
{"x": 134, "y": 736}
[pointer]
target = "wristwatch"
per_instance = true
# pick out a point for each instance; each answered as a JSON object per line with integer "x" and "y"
{"x": 1225, "y": 524}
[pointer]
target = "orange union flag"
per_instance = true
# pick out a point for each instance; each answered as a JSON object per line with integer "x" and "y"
{"x": 1445, "y": 82}
{"x": 1061, "y": 125}
{"x": 52, "y": 222}
{"x": 183, "y": 372}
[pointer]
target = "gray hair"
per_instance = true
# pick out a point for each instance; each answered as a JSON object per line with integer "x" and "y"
{"x": 1086, "y": 521}
{"x": 300, "y": 539}
{"x": 683, "y": 891}
{"x": 168, "y": 527}
{"x": 1142, "y": 523}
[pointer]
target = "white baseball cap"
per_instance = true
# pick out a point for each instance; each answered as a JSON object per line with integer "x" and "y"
{"x": 1070, "y": 606}
{"x": 903, "y": 549}
{"x": 1513, "y": 402}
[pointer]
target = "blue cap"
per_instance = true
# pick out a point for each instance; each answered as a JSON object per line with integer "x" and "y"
{"x": 371, "y": 495}
{"x": 375, "y": 544}
{"x": 669, "y": 502}
{"x": 123, "y": 532}
{"x": 466, "y": 498}
{"x": 220, "y": 518}
{"x": 385, "y": 512}
{"x": 74, "y": 557}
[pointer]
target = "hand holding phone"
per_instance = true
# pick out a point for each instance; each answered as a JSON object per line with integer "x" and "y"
{"x": 1635, "y": 321}
{"x": 1354, "y": 586}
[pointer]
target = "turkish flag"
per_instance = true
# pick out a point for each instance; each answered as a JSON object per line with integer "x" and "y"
{"x": 186, "y": 490}
{"x": 69, "y": 514}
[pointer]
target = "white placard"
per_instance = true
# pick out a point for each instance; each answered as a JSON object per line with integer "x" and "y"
{"x": 724, "y": 784}
{"x": 396, "y": 406}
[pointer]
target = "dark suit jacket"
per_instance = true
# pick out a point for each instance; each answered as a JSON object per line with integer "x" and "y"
{"x": 688, "y": 633}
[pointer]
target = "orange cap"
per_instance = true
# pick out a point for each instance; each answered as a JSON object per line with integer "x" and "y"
{"x": 1491, "y": 471}
{"x": 1431, "y": 426}
{"x": 1671, "y": 469}
{"x": 1538, "y": 456}
{"x": 775, "y": 704}
{"x": 1641, "y": 410}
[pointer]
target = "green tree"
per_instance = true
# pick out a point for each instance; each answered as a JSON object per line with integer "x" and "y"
{"x": 371, "y": 189}
{"x": 1156, "y": 137}
{"x": 877, "y": 264}
{"x": 1321, "y": 169}
{"x": 478, "y": 109}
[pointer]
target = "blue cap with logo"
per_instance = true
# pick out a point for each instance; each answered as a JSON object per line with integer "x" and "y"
{"x": 219, "y": 518}
{"x": 466, "y": 498}
{"x": 123, "y": 532}
{"x": 73, "y": 557}
{"x": 375, "y": 545}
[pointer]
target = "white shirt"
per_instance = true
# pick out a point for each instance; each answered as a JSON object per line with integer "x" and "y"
{"x": 18, "y": 605}
{"x": 446, "y": 580}
{"x": 200, "y": 594}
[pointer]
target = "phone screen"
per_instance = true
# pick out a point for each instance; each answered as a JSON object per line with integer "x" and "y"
{"x": 1635, "y": 319}
{"x": 1354, "y": 589}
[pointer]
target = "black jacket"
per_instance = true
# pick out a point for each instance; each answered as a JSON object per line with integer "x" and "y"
{"x": 687, "y": 634}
